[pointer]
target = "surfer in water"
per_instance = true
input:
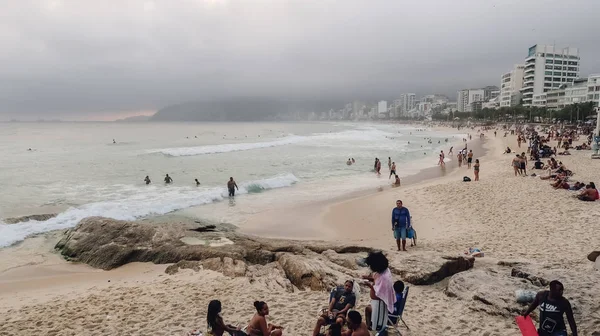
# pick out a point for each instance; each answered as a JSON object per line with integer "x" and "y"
{"x": 147, "y": 180}
{"x": 197, "y": 182}
{"x": 231, "y": 186}
{"x": 168, "y": 179}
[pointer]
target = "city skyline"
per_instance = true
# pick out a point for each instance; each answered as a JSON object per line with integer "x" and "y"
{"x": 93, "y": 60}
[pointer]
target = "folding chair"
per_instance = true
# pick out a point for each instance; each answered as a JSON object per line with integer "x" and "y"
{"x": 334, "y": 290}
{"x": 394, "y": 318}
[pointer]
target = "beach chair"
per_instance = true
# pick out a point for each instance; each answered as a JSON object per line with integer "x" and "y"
{"x": 394, "y": 319}
{"x": 355, "y": 290}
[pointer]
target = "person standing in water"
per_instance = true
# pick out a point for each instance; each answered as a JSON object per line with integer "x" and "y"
{"x": 168, "y": 179}
{"x": 114, "y": 141}
{"x": 231, "y": 186}
{"x": 147, "y": 180}
{"x": 450, "y": 152}
{"x": 197, "y": 182}
{"x": 378, "y": 168}
{"x": 389, "y": 163}
{"x": 392, "y": 170}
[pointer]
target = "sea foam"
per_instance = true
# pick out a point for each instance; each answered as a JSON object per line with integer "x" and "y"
{"x": 147, "y": 201}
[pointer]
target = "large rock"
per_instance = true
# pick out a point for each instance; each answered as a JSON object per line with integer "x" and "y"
{"x": 428, "y": 267}
{"x": 344, "y": 260}
{"x": 489, "y": 291}
{"x": 184, "y": 264}
{"x": 312, "y": 273}
{"x": 39, "y": 218}
{"x": 227, "y": 266}
{"x": 271, "y": 276}
{"x": 107, "y": 243}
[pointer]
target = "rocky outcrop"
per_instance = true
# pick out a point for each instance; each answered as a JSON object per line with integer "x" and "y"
{"x": 39, "y": 218}
{"x": 107, "y": 243}
{"x": 428, "y": 267}
{"x": 184, "y": 264}
{"x": 316, "y": 265}
{"x": 489, "y": 291}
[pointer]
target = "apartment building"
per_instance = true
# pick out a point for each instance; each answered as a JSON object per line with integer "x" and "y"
{"x": 547, "y": 68}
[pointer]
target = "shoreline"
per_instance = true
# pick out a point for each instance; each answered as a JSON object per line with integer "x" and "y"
{"x": 307, "y": 219}
{"x": 515, "y": 220}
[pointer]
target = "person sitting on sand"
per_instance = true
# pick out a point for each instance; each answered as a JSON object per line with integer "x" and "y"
{"x": 397, "y": 181}
{"x": 565, "y": 152}
{"x": 339, "y": 306}
{"x": 577, "y": 186}
{"x": 356, "y": 326}
{"x": 334, "y": 330}
{"x": 507, "y": 150}
{"x": 215, "y": 323}
{"x": 381, "y": 292}
{"x": 258, "y": 325}
{"x": 561, "y": 184}
{"x": 589, "y": 194}
{"x": 538, "y": 164}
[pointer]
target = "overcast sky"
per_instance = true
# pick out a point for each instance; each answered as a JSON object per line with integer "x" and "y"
{"x": 91, "y": 59}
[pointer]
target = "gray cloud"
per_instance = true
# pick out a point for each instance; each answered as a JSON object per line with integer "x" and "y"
{"x": 65, "y": 58}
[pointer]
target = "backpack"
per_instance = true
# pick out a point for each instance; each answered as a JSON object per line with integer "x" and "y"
{"x": 466, "y": 179}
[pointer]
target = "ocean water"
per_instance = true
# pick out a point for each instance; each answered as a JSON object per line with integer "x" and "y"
{"x": 75, "y": 169}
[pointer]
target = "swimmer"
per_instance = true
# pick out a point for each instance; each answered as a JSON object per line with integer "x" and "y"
{"x": 450, "y": 152}
{"x": 353, "y": 160}
{"x": 147, "y": 180}
{"x": 114, "y": 141}
{"x": 197, "y": 182}
{"x": 168, "y": 179}
{"x": 29, "y": 149}
{"x": 231, "y": 186}
{"x": 349, "y": 162}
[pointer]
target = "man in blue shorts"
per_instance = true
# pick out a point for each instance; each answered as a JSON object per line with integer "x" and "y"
{"x": 400, "y": 224}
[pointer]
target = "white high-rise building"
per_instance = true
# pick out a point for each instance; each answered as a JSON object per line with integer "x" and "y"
{"x": 547, "y": 68}
{"x": 467, "y": 97}
{"x": 407, "y": 102}
{"x": 510, "y": 86}
{"x": 382, "y": 107}
{"x": 593, "y": 85}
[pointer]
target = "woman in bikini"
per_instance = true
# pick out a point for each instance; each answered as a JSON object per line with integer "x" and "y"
{"x": 258, "y": 326}
{"x": 476, "y": 169}
{"x": 215, "y": 321}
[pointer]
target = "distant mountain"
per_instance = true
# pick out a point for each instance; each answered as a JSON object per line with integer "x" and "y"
{"x": 134, "y": 119}
{"x": 239, "y": 110}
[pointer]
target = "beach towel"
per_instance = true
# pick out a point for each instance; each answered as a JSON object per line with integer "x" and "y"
{"x": 379, "y": 314}
{"x": 384, "y": 289}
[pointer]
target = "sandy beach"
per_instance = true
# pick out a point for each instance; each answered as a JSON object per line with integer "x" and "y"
{"x": 510, "y": 218}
